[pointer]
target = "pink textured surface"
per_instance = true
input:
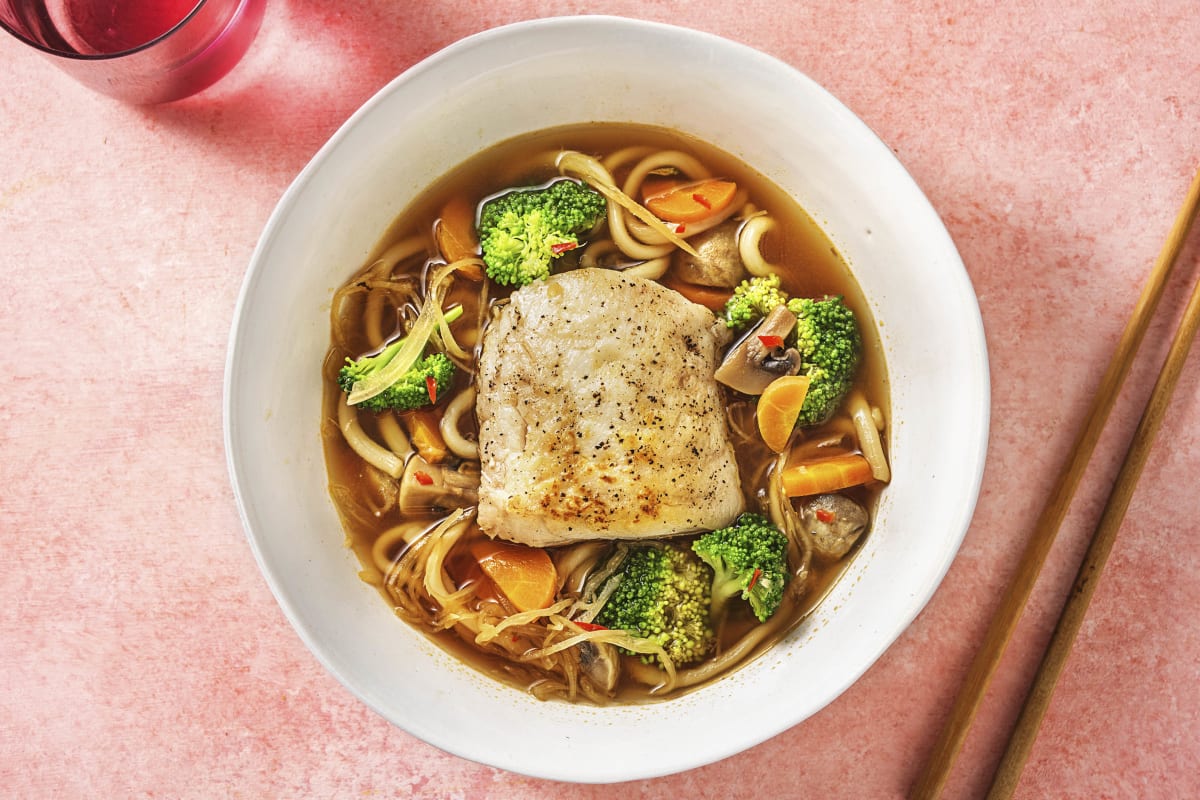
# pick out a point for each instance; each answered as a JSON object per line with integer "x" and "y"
{"x": 142, "y": 652}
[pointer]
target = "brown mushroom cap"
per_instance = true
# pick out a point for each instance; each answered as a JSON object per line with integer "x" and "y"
{"x": 750, "y": 366}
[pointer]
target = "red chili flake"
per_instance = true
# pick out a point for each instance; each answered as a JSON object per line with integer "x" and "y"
{"x": 754, "y": 579}
{"x": 825, "y": 515}
{"x": 680, "y": 228}
{"x": 559, "y": 249}
{"x": 431, "y": 387}
{"x": 771, "y": 341}
{"x": 701, "y": 199}
{"x": 590, "y": 626}
{"x": 423, "y": 478}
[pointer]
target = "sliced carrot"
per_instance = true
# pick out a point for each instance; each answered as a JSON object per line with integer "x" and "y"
{"x": 711, "y": 297}
{"x": 455, "y": 230}
{"x": 826, "y": 475}
{"x": 425, "y": 432}
{"x": 525, "y": 575}
{"x": 654, "y": 185}
{"x": 779, "y": 407}
{"x": 693, "y": 202}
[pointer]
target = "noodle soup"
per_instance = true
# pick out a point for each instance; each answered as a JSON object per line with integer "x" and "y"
{"x": 410, "y": 485}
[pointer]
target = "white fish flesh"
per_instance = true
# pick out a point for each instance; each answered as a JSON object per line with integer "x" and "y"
{"x": 599, "y": 417}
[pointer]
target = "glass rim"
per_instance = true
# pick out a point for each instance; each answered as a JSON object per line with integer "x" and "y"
{"x": 104, "y": 56}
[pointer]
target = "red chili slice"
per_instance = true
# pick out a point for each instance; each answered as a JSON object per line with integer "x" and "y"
{"x": 771, "y": 341}
{"x": 754, "y": 579}
{"x": 423, "y": 478}
{"x": 431, "y": 387}
{"x": 825, "y": 515}
{"x": 559, "y": 249}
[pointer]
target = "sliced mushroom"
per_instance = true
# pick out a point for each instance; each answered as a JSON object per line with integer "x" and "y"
{"x": 427, "y": 487}
{"x": 601, "y": 664}
{"x": 835, "y": 522}
{"x": 717, "y": 261}
{"x": 750, "y": 365}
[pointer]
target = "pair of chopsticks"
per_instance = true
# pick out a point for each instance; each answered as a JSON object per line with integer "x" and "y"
{"x": 933, "y": 778}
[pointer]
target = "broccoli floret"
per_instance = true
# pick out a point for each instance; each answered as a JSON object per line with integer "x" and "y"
{"x": 411, "y": 390}
{"x": 830, "y": 346}
{"x": 663, "y": 595}
{"x": 749, "y": 557}
{"x": 826, "y": 336}
{"x": 752, "y": 300}
{"x": 523, "y": 231}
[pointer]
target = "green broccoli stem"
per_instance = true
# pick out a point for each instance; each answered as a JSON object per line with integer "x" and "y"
{"x": 724, "y": 588}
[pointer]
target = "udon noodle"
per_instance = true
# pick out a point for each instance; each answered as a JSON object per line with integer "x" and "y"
{"x": 418, "y": 553}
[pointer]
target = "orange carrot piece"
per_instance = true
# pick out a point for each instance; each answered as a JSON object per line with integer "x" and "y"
{"x": 779, "y": 408}
{"x": 826, "y": 475}
{"x": 693, "y": 202}
{"x": 525, "y": 575}
{"x": 455, "y": 230}
{"x": 711, "y": 297}
{"x": 425, "y": 433}
{"x": 654, "y": 185}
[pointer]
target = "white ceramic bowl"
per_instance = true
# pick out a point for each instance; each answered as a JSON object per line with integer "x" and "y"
{"x": 488, "y": 88}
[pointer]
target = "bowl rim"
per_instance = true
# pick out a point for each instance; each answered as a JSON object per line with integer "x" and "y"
{"x": 974, "y": 333}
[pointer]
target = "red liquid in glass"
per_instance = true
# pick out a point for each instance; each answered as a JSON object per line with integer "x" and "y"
{"x": 104, "y": 27}
{"x": 102, "y": 42}
{"x": 101, "y": 26}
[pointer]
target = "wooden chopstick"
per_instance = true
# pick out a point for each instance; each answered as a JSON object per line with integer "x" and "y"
{"x": 1021, "y": 742}
{"x": 933, "y": 777}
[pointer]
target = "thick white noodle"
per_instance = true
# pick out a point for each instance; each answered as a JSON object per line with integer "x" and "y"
{"x": 687, "y": 164}
{"x": 393, "y": 435}
{"x": 615, "y": 160}
{"x": 653, "y": 269}
{"x": 868, "y": 436}
{"x": 749, "y": 248}
{"x": 595, "y": 253}
{"x": 630, "y": 246}
{"x": 460, "y": 445}
{"x": 367, "y": 448}
{"x": 382, "y": 551}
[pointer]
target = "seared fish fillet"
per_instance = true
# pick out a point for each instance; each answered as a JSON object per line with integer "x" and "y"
{"x": 598, "y": 414}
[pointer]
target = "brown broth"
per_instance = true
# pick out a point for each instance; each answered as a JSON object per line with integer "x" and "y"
{"x": 810, "y": 265}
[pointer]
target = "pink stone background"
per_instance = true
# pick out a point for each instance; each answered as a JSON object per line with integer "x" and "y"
{"x": 143, "y": 655}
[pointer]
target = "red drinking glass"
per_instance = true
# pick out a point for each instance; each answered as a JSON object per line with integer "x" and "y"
{"x": 139, "y": 51}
